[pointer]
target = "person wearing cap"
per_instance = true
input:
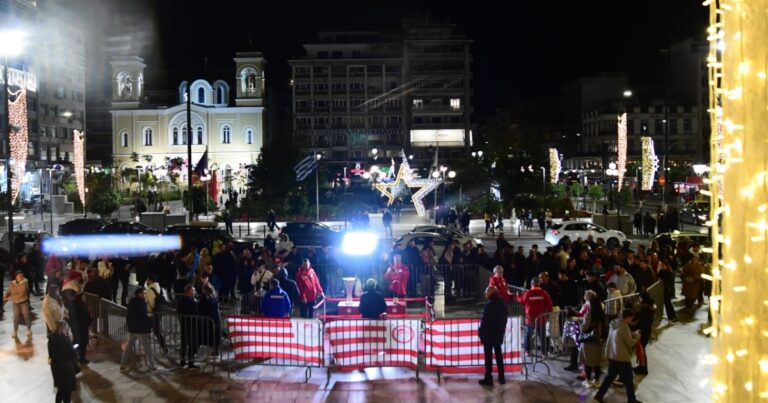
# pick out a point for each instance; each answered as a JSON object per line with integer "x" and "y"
{"x": 18, "y": 294}
{"x": 493, "y": 325}
{"x": 372, "y": 304}
{"x": 598, "y": 267}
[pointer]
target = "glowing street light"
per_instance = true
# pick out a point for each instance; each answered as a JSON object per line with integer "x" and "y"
{"x": 452, "y": 174}
{"x": 627, "y": 93}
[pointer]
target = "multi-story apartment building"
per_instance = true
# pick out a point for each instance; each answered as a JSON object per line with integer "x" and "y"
{"x": 52, "y": 68}
{"x": 358, "y": 95}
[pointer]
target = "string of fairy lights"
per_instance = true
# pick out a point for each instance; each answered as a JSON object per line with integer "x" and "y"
{"x": 19, "y": 137}
{"x": 78, "y": 143}
{"x": 739, "y": 198}
{"x": 621, "y": 159}
{"x": 650, "y": 162}
{"x": 555, "y": 165}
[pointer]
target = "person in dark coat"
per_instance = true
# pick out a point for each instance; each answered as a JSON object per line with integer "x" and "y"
{"x": 209, "y": 306}
{"x": 493, "y": 325}
{"x": 225, "y": 267}
{"x": 288, "y": 285}
{"x": 80, "y": 326}
{"x": 667, "y": 277}
{"x": 372, "y": 304}
{"x": 187, "y": 307}
{"x": 63, "y": 364}
{"x": 98, "y": 285}
{"x": 139, "y": 329}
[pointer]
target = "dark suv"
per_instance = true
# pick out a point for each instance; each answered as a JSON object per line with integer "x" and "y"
{"x": 81, "y": 226}
{"x": 310, "y": 233}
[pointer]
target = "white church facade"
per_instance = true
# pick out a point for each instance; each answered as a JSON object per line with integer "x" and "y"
{"x": 156, "y": 136}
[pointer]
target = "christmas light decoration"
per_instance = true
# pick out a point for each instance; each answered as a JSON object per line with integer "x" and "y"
{"x": 17, "y": 119}
{"x": 78, "y": 143}
{"x": 622, "y": 148}
{"x": 650, "y": 163}
{"x": 737, "y": 77}
{"x": 555, "y": 165}
{"x": 405, "y": 174}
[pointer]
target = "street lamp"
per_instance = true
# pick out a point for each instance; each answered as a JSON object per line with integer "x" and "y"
{"x": 11, "y": 44}
{"x": 318, "y": 157}
{"x": 205, "y": 178}
{"x": 613, "y": 171}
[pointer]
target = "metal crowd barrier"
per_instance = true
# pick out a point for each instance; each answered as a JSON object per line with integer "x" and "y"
{"x": 179, "y": 334}
{"x": 453, "y": 346}
{"x": 365, "y": 343}
{"x": 462, "y": 281}
{"x": 550, "y": 338}
{"x": 276, "y": 342}
{"x": 98, "y": 322}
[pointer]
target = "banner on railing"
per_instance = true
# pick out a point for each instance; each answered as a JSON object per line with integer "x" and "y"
{"x": 455, "y": 344}
{"x": 271, "y": 338}
{"x": 362, "y": 343}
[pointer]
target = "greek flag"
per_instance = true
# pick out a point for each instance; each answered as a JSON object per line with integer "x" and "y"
{"x": 305, "y": 167}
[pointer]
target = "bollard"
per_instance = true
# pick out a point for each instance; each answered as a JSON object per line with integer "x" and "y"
{"x": 240, "y": 231}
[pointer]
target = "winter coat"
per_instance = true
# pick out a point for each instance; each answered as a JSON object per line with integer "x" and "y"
{"x": 624, "y": 282}
{"x": 621, "y": 342}
{"x": 276, "y": 304}
{"x": 591, "y": 352}
{"x": 692, "y": 280}
{"x": 493, "y": 323}
{"x": 137, "y": 317}
{"x": 501, "y": 285}
{"x": 372, "y": 305}
{"x": 99, "y": 286}
{"x": 63, "y": 362}
{"x": 536, "y": 302}
{"x": 309, "y": 285}
{"x": 398, "y": 276}
{"x": 53, "y": 312}
{"x": 18, "y": 291}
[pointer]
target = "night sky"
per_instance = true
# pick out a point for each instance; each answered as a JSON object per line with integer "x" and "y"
{"x": 522, "y": 50}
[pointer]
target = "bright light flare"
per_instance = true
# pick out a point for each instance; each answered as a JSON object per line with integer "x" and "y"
{"x": 122, "y": 245}
{"x": 11, "y": 42}
{"x": 359, "y": 243}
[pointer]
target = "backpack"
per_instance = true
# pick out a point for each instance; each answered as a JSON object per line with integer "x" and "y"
{"x": 161, "y": 303}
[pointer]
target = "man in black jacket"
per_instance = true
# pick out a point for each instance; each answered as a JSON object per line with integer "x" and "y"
{"x": 186, "y": 307}
{"x": 139, "y": 328}
{"x": 493, "y": 324}
{"x": 372, "y": 304}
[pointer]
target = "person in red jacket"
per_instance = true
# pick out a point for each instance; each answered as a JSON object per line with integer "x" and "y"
{"x": 309, "y": 289}
{"x": 498, "y": 281}
{"x": 536, "y": 302}
{"x": 397, "y": 274}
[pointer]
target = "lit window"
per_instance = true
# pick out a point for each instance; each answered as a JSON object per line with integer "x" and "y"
{"x": 175, "y": 136}
{"x": 184, "y": 134}
{"x": 418, "y": 103}
{"x": 455, "y": 103}
{"x": 225, "y": 134}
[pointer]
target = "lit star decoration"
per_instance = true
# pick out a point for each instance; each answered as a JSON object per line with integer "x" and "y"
{"x": 621, "y": 160}
{"x": 78, "y": 143}
{"x": 406, "y": 175}
{"x": 739, "y": 307}
{"x": 555, "y": 165}
{"x": 17, "y": 119}
{"x": 650, "y": 163}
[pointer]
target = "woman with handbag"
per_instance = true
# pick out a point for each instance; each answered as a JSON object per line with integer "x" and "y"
{"x": 591, "y": 341}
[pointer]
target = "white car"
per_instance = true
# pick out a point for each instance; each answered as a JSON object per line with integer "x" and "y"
{"x": 448, "y": 232}
{"x": 580, "y": 229}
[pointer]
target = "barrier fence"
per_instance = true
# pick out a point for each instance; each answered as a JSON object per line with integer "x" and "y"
{"x": 453, "y": 345}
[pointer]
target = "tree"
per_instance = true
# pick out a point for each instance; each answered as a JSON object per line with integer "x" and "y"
{"x": 272, "y": 177}
{"x": 577, "y": 189}
{"x": 559, "y": 190}
{"x": 595, "y": 192}
{"x": 296, "y": 203}
{"x": 101, "y": 198}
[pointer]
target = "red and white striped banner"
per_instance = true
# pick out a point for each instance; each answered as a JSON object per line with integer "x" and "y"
{"x": 364, "y": 343}
{"x": 270, "y": 338}
{"x": 455, "y": 343}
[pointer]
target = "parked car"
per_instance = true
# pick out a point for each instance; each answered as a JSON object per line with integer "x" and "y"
{"x": 310, "y": 233}
{"x": 448, "y": 232}
{"x": 203, "y": 235}
{"x": 128, "y": 227}
{"x": 30, "y": 237}
{"x": 695, "y": 212}
{"x": 82, "y": 226}
{"x": 580, "y": 229}
{"x": 666, "y": 239}
{"x": 421, "y": 239}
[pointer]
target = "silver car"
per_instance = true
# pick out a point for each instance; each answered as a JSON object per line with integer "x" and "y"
{"x": 580, "y": 229}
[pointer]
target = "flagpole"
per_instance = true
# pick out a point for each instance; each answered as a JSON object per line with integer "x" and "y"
{"x": 189, "y": 150}
{"x": 317, "y": 189}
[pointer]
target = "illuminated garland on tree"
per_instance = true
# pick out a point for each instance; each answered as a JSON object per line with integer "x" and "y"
{"x": 17, "y": 119}
{"x": 622, "y": 148}
{"x": 555, "y": 165}
{"x": 79, "y": 163}
{"x": 737, "y": 76}
{"x": 650, "y": 163}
